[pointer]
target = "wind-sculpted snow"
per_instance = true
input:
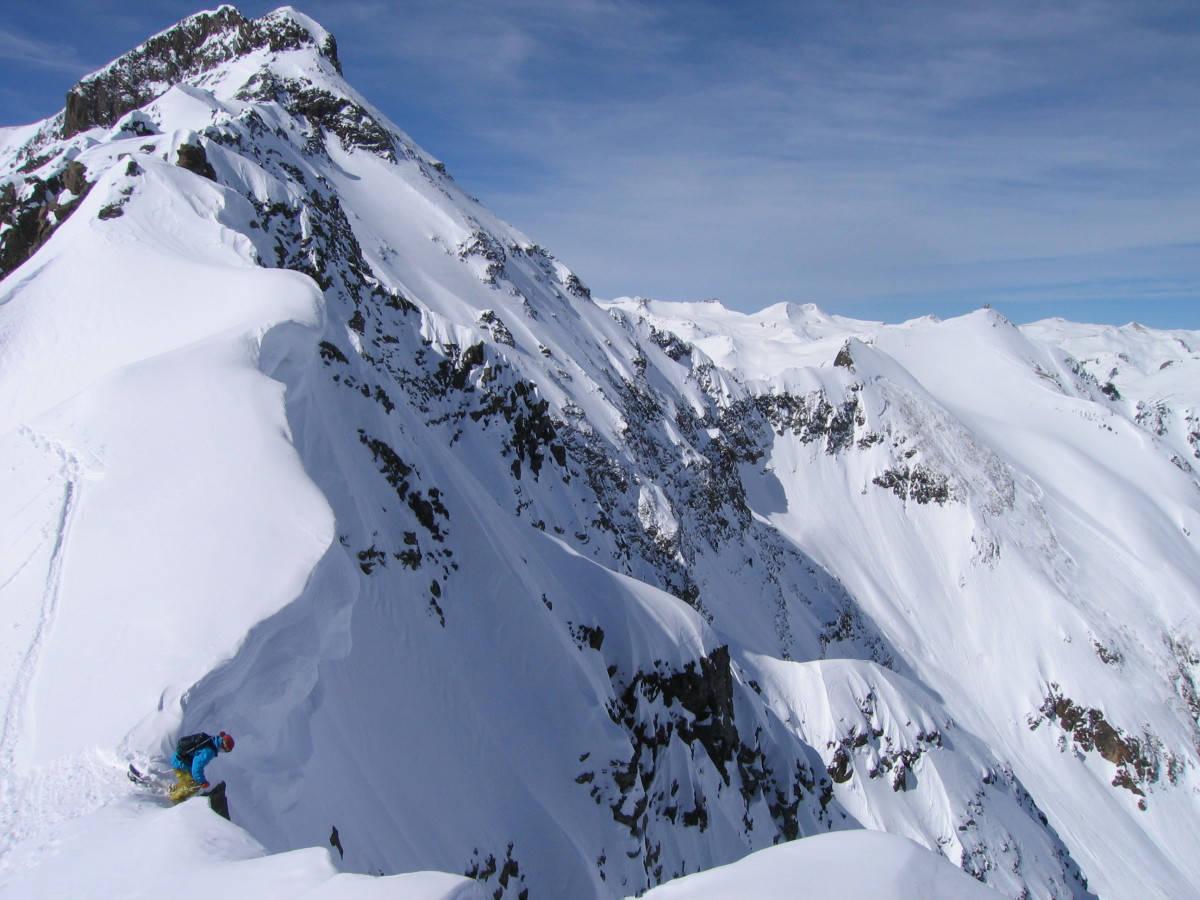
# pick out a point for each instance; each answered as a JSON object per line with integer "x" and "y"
{"x": 571, "y": 597}
{"x": 859, "y": 863}
{"x": 190, "y": 853}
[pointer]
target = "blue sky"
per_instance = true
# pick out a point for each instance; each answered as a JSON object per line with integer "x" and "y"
{"x": 884, "y": 160}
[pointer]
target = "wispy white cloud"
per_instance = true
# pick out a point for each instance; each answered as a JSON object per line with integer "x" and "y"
{"x": 507, "y": 42}
{"x": 832, "y": 159}
{"x": 54, "y": 56}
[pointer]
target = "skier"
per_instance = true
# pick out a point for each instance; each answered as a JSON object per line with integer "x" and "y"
{"x": 192, "y": 754}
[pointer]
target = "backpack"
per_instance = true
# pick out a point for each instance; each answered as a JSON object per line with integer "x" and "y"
{"x": 190, "y": 745}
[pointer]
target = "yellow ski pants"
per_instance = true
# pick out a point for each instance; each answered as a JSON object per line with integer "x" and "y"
{"x": 185, "y": 787}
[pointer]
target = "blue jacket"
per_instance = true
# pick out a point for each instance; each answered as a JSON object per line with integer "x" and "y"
{"x": 200, "y": 759}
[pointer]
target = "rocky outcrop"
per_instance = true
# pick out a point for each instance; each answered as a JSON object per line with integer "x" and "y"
{"x": 1141, "y": 761}
{"x": 195, "y": 45}
{"x": 193, "y": 158}
{"x": 31, "y": 211}
{"x": 669, "y": 713}
{"x": 325, "y": 112}
{"x": 916, "y": 483}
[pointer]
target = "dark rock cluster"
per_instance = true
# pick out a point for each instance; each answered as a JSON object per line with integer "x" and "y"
{"x": 695, "y": 707}
{"x": 917, "y": 483}
{"x": 195, "y": 45}
{"x": 1141, "y": 761}
{"x": 31, "y": 210}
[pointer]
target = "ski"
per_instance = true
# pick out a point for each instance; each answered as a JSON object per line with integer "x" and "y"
{"x": 152, "y": 783}
{"x": 159, "y": 787}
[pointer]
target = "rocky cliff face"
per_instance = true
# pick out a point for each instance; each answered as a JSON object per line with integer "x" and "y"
{"x": 186, "y": 52}
{"x": 611, "y": 597}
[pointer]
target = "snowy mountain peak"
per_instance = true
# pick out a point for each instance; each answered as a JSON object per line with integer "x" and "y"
{"x": 183, "y": 52}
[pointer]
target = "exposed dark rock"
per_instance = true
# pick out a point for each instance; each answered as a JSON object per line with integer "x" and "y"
{"x": 841, "y": 768}
{"x": 371, "y": 557}
{"x": 669, "y": 343}
{"x": 898, "y": 761}
{"x": 588, "y": 636}
{"x": 981, "y": 856}
{"x": 218, "y": 802}
{"x": 849, "y": 626}
{"x": 1153, "y": 416}
{"x": 578, "y": 288}
{"x": 34, "y": 163}
{"x": 664, "y": 707}
{"x": 195, "y": 45}
{"x": 193, "y": 158}
{"x": 315, "y": 238}
{"x": 427, "y": 506}
{"x": 1140, "y": 761}
{"x": 916, "y": 483}
{"x": 33, "y": 210}
{"x": 74, "y": 178}
{"x": 330, "y": 353}
{"x": 813, "y": 417}
{"x": 532, "y": 431}
{"x": 510, "y": 882}
{"x": 499, "y": 331}
{"x": 324, "y": 111}
{"x": 139, "y": 125}
{"x": 483, "y": 246}
{"x": 1108, "y": 655}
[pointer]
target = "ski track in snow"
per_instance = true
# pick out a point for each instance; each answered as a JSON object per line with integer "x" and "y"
{"x": 35, "y": 803}
{"x": 13, "y": 793}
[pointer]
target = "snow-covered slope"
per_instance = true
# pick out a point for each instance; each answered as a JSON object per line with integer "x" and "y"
{"x": 126, "y": 850}
{"x": 571, "y": 597}
{"x": 848, "y": 863}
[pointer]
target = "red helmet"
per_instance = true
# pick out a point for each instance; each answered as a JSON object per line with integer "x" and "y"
{"x": 226, "y": 742}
